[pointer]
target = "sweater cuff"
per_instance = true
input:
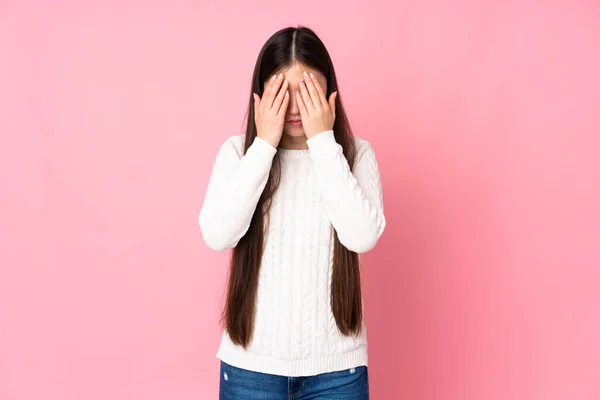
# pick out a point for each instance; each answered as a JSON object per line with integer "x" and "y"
{"x": 320, "y": 139}
{"x": 264, "y": 147}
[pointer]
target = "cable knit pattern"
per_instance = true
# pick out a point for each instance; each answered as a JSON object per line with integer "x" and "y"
{"x": 295, "y": 330}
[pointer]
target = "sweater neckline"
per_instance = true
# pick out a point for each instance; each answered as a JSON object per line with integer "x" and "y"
{"x": 293, "y": 153}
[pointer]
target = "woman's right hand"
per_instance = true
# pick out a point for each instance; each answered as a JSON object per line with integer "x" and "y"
{"x": 270, "y": 110}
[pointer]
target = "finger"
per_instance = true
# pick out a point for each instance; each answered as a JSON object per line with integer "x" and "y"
{"x": 284, "y": 104}
{"x": 306, "y": 97}
{"x": 310, "y": 85}
{"x": 269, "y": 84}
{"x": 256, "y": 101}
{"x": 276, "y": 84}
{"x": 280, "y": 95}
{"x": 301, "y": 106}
{"x": 332, "y": 99}
{"x": 271, "y": 90}
{"x": 320, "y": 91}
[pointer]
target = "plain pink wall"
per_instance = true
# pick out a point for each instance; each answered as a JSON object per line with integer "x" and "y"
{"x": 485, "y": 119}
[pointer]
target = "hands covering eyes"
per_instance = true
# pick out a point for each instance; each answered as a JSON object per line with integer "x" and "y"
{"x": 317, "y": 113}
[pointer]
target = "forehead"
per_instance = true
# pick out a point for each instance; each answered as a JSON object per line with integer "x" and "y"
{"x": 296, "y": 71}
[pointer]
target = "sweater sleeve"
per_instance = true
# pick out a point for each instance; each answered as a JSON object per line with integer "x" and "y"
{"x": 353, "y": 200}
{"x": 234, "y": 188}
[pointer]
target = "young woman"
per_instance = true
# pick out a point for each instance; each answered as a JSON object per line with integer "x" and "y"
{"x": 297, "y": 198}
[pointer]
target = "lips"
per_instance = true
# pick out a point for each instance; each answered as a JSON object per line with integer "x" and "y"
{"x": 294, "y": 120}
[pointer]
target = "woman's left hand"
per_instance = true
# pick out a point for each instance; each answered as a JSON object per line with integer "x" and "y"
{"x": 318, "y": 114}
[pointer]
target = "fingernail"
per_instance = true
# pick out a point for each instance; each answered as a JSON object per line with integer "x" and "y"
{"x": 280, "y": 75}
{"x": 311, "y": 75}
{"x": 273, "y": 77}
{"x": 301, "y": 80}
{"x": 305, "y": 73}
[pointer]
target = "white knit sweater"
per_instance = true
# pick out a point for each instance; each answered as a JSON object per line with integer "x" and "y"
{"x": 295, "y": 331}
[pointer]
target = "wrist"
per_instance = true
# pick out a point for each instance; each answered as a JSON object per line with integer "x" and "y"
{"x": 270, "y": 141}
{"x": 321, "y": 137}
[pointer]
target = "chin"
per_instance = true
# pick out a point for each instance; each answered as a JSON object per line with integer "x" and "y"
{"x": 298, "y": 132}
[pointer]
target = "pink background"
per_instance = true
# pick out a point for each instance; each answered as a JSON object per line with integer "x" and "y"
{"x": 485, "y": 119}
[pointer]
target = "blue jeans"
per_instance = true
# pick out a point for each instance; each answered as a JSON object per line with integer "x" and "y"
{"x": 241, "y": 384}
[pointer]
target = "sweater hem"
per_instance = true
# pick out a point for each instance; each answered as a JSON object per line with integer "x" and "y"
{"x": 238, "y": 357}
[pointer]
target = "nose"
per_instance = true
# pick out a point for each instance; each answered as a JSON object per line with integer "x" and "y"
{"x": 293, "y": 105}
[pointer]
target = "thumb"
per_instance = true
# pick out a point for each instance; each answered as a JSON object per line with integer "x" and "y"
{"x": 332, "y": 99}
{"x": 256, "y": 100}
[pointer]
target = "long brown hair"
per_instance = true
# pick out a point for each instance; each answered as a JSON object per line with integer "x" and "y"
{"x": 283, "y": 49}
